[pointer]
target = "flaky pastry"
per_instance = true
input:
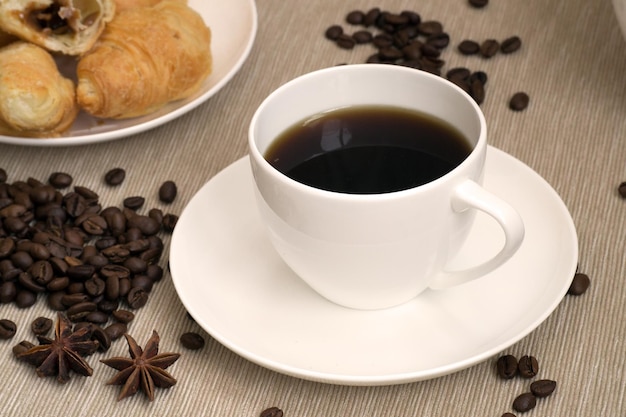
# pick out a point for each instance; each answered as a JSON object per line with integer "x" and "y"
{"x": 145, "y": 58}
{"x": 35, "y": 99}
{"x": 67, "y": 26}
{"x": 131, "y": 4}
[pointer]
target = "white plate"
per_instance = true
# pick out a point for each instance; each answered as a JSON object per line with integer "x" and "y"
{"x": 233, "y": 25}
{"x": 235, "y": 286}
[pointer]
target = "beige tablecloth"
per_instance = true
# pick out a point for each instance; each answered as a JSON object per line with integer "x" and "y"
{"x": 572, "y": 64}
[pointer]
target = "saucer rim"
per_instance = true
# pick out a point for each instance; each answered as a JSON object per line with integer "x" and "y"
{"x": 391, "y": 378}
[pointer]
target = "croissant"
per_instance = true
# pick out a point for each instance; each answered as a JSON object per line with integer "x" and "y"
{"x": 35, "y": 99}
{"x": 130, "y": 4}
{"x": 67, "y": 26}
{"x": 145, "y": 58}
{"x": 6, "y": 38}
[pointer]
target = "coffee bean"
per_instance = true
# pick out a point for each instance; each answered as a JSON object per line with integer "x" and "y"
{"x": 580, "y": 284}
{"x": 477, "y": 90}
{"x": 345, "y": 41}
{"x": 169, "y": 222}
{"x": 506, "y": 366}
{"x": 508, "y": 415}
{"x": 116, "y": 330}
{"x": 123, "y": 316}
{"x": 524, "y": 402}
{"x": 510, "y": 45}
{"x": 272, "y": 412}
{"x": 489, "y": 48}
{"x": 168, "y": 190}
{"x": 60, "y": 180}
{"x": 478, "y": 3}
{"x": 3, "y": 176}
{"x": 468, "y": 47}
{"x": 371, "y": 17}
{"x": 25, "y": 299}
{"x": 333, "y": 32}
{"x": 528, "y": 366}
{"x": 86, "y": 193}
{"x": 134, "y": 203}
{"x": 137, "y": 297}
{"x": 355, "y": 17}
{"x": 542, "y": 388}
{"x": 192, "y": 341}
{"x": 362, "y": 36}
{"x": 21, "y": 347}
{"x": 519, "y": 101}
{"x": 382, "y": 40}
{"x": 8, "y": 329}
{"x": 102, "y": 337}
{"x": 115, "y": 176}
{"x": 41, "y": 325}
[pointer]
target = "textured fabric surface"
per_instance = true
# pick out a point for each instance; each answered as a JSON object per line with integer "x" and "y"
{"x": 572, "y": 65}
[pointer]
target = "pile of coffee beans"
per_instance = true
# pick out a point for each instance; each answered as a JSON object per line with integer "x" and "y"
{"x": 89, "y": 261}
{"x": 508, "y": 367}
{"x": 406, "y": 39}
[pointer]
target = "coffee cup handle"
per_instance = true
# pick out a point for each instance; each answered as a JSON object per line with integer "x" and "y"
{"x": 470, "y": 195}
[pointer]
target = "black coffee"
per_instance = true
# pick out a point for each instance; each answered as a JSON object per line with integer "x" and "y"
{"x": 368, "y": 150}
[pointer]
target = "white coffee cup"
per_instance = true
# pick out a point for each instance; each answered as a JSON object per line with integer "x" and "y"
{"x": 373, "y": 251}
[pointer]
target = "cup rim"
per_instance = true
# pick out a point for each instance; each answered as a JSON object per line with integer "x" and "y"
{"x": 478, "y": 149}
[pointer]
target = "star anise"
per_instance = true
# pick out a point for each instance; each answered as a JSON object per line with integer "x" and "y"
{"x": 144, "y": 369}
{"x": 64, "y": 353}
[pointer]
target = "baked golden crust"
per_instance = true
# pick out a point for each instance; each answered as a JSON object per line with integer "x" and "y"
{"x": 145, "y": 58}
{"x": 131, "y": 4}
{"x": 35, "y": 99}
{"x": 67, "y": 26}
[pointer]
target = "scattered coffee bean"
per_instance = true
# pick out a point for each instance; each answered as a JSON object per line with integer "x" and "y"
{"x": 519, "y": 101}
{"x": 506, "y": 366}
{"x": 524, "y": 402}
{"x": 362, "y": 36}
{"x": 60, "y": 180}
{"x": 168, "y": 191}
{"x": 355, "y": 17}
{"x": 508, "y": 415}
{"x": 192, "y": 340}
{"x": 510, "y": 45}
{"x": 528, "y": 366}
{"x": 3, "y": 176}
{"x": 23, "y": 346}
{"x": 542, "y": 388}
{"x": 621, "y": 189}
{"x": 468, "y": 47}
{"x": 134, "y": 203}
{"x": 115, "y": 176}
{"x": 123, "y": 316}
{"x": 489, "y": 48}
{"x": 272, "y": 412}
{"x": 580, "y": 284}
{"x": 101, "y": 336}
{"x": 41, "y": 325}
{"x": 7, "y": 329}
{"x": 116, "y": 330}
{"x": 345, "y": 41}
{"x": 333, "y": 32}
{"x": 478, "y": 3}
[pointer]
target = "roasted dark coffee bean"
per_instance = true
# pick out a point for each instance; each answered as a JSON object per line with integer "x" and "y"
{"x": 25, "y": 299}
{"x": 580, "y": 284}
{"x": 371, "y": 17}
{"x": 345, "y": 41}
{"x": 621, "y": 190}
{"x": 60, "y": 180}
{"x": 333, "y": 32}
{"x": 480, "y": 76}
{"x": 108, "y": 306}
{"x": 477, "y": 91}
{"x": 355, "y": 17}
{"x": 145, "y": 224}
{"x": 192, "y": 341}
{"x": 468, "y": 47}
{"x": 489, "y": 48}
{"x": 97, "y": 317}
{"x": 528, "y": 366}
{"x": 25, "y": 280}
{"x": 431, "y": 27}
{"x": 506, "y": 366}
{"x": 15, "y": 225}
{"x": 95, "y": 286}
{"x": 58, "y": 284}
{"x": 21, "y": 347}
{"x": 41, "y": 272}
{"x": 508, "y": 415}
{"x": 75, "y": 204}
{"x": 414, "y": 17}
{"x": 53, "y": 300}
{"x": 458, "y": 73}
{"x": 41, "y": 325}
{"x": 272, "y": 412}
{"x": 39, "y": 251}
{"x": 116, "y": 253}
{"x": 524, "y": 402}
{"x": 139, "y": 245}
{"x": 362, "y": 36}
{"x": 81, "y": 272}
{"x": 156, "y": 214}
{"x": 439, "y": 40}
{"x": 81, "y": 310}
{"x": 168, "y": 190}
{"x": 112, "y": 291}
{"x": 430, "y": 51}
{"x": 143, "y": 282}
{"x": 8, "y": 292}
{"x": 87, "y": 193}
{"x": 396, "y": 19}
{"x": 169, "y": 222}
{"x": 542, "y": 388}
{"x": 382, "y": 40}
{"x": 390, "y": 53}
{"x": 137, "y": 297}
{"x": 510, "y": 45}
{"x": 101, "y": 336}
{"x": 8, "y": 328}
{"x": 42, "y": 194}
{"x": 115, "y": 176}
{"x": 519, "y": 101}
{"x": 116, "y": 330}
{"x": 478, "y": 3}
{"x": 154, "y": 272}
{"x": 134, "y": 203}
{"x": 7, "y": 246}
{"x": 22, "y": 260}
{"x": 136, "y": 265}
{"x": 3, "y": 176}
{"x": 123, "y": 316}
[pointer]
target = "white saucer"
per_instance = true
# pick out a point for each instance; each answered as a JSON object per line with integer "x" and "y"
{"x": 237, "y": 288}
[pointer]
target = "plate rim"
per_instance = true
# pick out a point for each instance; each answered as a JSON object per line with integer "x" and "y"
{"x": 101, "y": 137}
